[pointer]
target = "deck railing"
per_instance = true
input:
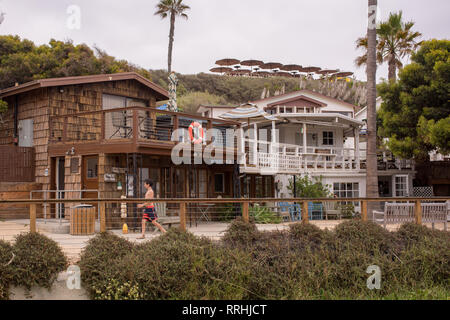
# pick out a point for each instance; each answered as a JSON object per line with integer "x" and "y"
{"x": 238, "y": 206}
{"x": 138, "y": 124}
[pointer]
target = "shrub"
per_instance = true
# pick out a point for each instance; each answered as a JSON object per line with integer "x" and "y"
{"x": 179, "y": 265}
{"x": 37, "y": 262}
{"x": 99, "y": 259}
{"x": 240, "y": 233}
{"x": 6, "y": 254}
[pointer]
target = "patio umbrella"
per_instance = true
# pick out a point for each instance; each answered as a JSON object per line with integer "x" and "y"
{"x": 271, "y": 65}
{"x": 327, "y": 71}
{"x": 221, "y": 69}
{"x": 291, "y": 67}
{"x": 250, "y": 63}
{"x": 342, "y": 74}
{"x": 247, "y": 111}
{"x": 227, "y": 62}
{"x": 283, "y": 74}
{"x": 310, "y": 69}
{"x": 262, "y": 73}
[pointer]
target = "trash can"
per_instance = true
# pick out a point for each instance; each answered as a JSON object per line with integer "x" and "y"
{"x": 82, "y": 219}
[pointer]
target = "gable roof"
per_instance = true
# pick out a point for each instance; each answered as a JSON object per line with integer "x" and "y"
{"x": 162, "y": 94}
{"x": 301, "y": 97}
{"x": 317, "y": 94}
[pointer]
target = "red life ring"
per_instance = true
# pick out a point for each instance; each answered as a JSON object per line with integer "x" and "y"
{"x": 196, "y": 133}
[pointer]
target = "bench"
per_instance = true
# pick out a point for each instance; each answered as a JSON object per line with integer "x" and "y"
{"x": 395, "y": 213}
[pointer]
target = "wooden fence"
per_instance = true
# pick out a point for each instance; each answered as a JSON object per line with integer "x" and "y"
{"x": 17, "y": 164}
{"x": 183, "y": 202}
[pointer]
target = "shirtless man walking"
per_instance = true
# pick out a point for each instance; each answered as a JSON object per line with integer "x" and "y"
{"x": 149, "y": 209}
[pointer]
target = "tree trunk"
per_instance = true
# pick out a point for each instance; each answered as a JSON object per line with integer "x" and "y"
{"x": 392, "y": 69}
{"x": 171, "y": 33}
{"x": 371, "y": 70}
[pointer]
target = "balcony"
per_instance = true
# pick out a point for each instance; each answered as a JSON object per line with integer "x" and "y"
{"x": 128, "y": 130}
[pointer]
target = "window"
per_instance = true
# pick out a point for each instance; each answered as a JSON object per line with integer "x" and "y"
{"x": 91, "y": 167}
{"x": 219, "y": 183}
{"x": 328, "y": 138}
{"x": 347, "y": 190}
{"x": 401, "y": 185}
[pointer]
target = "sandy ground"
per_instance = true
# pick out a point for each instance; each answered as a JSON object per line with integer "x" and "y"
{"x": 73, "y": 245}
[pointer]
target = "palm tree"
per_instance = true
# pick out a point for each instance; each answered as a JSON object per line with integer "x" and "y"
{"x": 173, "y": 8}
{"x": 371, "y": 70}
{"x": 396, "y": 40}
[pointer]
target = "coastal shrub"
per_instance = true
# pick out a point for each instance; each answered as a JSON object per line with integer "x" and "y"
{"x": 6, "y": 254}
{"x": 179, "y": 265}
{"x": 99, "y": 259}
{"x": 37, "y": 262}
{"x": 240, "y": 233}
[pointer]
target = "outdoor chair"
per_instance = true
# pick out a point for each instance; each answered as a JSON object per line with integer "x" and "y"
{"x": 119, "y": 122}
{"x": 331, "y": 209}
{"x": 295, "y": 212}
{"x": 315, "y": 211}
{"x": 283, "y": 210}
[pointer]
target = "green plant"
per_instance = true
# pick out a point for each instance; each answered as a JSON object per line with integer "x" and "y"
{"x": 3, "y": 106}
{"x": 99, "y": 259}
{"x": 263, "y": 215}
{"x": 6, "y": 256}
{"x": 37, "y": 262}
{"x": 309, "y": 188}
{"x": 347, "y": 210}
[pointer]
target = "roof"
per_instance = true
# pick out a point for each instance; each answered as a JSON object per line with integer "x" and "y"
{"x": 65, "y": 81}
{"x": 211, "y": 106}
{"x": 308, "y": 91}
{"x": 301, "y": 97}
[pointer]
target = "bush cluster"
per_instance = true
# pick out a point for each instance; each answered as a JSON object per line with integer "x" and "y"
{"x": 33, "y": 260}
{"x": 303, "y": 262}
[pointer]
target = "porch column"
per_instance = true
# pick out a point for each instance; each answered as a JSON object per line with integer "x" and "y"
{"x": 273, "y": 139}
{"x": 356, "y": 140}
{"x": 304, "y": 138}
{"x": 255, "y": 144}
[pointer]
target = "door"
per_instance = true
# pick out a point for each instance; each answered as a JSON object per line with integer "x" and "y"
{"x": 90, "y": 176}
{"x": 60, "y": 168}
{"x": 26, "y": 133}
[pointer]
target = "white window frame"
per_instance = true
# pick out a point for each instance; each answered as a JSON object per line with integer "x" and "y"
{"x": 394, "y": 185}
{"x": 333, "y": 137}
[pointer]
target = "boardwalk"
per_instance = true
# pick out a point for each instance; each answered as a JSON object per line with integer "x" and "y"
{"x": 73, "y": 245}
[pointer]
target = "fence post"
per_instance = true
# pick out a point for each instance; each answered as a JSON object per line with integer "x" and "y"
{"x": 245, "y": 216}
{"x": 418, "y": 212}
{"x": 102, "y": 217}
{"x": 183, "y": 216}
{"x": 364, "y": 210}
{"x": 32, "y": 217}
{"x": 305, "y": 217}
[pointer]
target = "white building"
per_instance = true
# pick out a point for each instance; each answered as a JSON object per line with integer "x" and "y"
{"x": 319, "y": 136}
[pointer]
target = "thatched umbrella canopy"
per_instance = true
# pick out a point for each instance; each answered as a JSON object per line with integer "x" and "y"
{"x": 227, "y": 62}
{"x": 343, "y": 74}
{"x": 327, "y": 71}
{"x": 220, "y": 69}
{"x": 291, "y": 67}
{"x": 251, "y": 63}
{"x": 271, "y": 65}
{"x": 310, "y": 69}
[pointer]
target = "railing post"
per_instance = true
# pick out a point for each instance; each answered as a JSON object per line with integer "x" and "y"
{"x": 418, "y": 212}
{"x": 364, "y": 210}
{"x": 245, "y": 216}
{"x": 135, "y": 127}
{"x": 305, "y": 217}
{"x": 183, "y": 216}
{"x": 32, "y": 217}
{"x": 102, "y": 137}
{"x": 102, "y": 217}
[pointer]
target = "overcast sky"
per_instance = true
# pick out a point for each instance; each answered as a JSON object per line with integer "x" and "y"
{"x": 306, "y": 32}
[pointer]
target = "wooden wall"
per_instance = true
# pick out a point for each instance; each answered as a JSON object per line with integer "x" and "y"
{"x": 42, "y": 103}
